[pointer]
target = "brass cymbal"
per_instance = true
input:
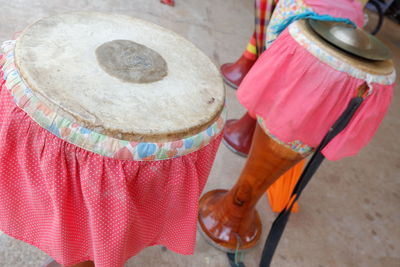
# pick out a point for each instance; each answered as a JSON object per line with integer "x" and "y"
{"x": 353, "y": 40}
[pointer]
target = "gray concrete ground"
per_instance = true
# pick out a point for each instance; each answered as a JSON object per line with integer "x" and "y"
{"x": 349, "y": 214}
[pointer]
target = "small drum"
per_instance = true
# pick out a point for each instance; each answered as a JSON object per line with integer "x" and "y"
{"x": 108, "y": 129}
{"x": 297, "y": 89}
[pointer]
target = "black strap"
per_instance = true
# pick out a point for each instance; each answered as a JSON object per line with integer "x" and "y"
{"x": 280, "y": 222}
{"x": 232, "y": 261}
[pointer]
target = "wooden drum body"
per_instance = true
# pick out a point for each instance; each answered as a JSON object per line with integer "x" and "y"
{"x": 229, "y": 218}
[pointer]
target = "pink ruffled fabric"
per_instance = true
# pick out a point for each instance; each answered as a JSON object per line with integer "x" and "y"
{"x": 350, "y": 9}
{"x": 76, "y": 205}
{"x": 299, "y": 97}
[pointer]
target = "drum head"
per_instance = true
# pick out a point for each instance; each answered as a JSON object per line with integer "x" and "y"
{"x": 384, "y": 67}
{"x": 352, "y": 40}
{"x": 120, "y": 76}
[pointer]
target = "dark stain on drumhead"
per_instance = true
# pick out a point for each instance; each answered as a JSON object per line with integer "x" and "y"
{"x": 131, "y": 62}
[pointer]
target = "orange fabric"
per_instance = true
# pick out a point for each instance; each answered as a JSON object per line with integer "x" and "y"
{"x": 279, "y": 193}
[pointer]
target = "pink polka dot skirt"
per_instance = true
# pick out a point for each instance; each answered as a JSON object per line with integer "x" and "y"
{"x": 76, "y": 205}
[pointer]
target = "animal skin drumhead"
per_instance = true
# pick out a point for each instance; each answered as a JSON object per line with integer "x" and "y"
{"x": 120, "y": 76}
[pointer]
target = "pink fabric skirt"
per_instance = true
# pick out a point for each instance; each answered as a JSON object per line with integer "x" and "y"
{"x": 298, "y": 91}
{"x": 76, "y": 205}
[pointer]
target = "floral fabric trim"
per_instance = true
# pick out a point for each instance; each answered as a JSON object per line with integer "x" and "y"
{"x": 284, "y": 10}
{"x": 320, "y": 53}
{"x": 88, "y": 139}
{"x": 295, "y": 145}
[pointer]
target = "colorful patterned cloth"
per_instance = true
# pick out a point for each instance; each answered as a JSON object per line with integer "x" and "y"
{"x": 266, "y": 18}
{"x": 284, "y": 10}
{"x": 350, "y": 9}
{"x": 91, "y": 140}
{"x": 251, "y": 49}
{"x": 264, "y": 9}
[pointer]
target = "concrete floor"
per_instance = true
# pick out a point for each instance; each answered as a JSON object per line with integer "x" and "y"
{"x": 349, "y": 214}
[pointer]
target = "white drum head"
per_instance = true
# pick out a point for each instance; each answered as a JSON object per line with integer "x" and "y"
{"x": 57, "y": 58}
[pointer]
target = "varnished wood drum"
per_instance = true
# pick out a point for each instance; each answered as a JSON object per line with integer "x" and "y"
{"x": 298, "y": 88}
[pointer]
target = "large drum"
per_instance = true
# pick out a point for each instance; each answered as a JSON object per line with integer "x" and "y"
{"x": 109, "y": 126}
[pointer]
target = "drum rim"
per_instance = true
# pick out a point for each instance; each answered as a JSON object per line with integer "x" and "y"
{"x": 337, "y": 59}
{"x": 92, "y": 141}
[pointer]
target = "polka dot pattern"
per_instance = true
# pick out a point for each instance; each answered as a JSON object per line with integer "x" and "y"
{"x": 76, "y": 205}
